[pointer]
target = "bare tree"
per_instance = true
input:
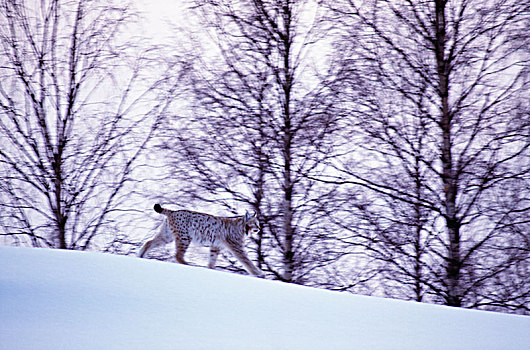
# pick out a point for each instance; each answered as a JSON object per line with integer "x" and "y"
{"x": 76, "y": 114}
{"x": 437, "y": 95}
{"x": 261, "y": 122}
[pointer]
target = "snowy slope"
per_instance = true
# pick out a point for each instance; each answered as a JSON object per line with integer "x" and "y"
{"x": 52, "y": 299}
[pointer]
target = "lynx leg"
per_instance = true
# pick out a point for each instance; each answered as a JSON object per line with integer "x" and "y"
{"x": 181, "y": 246}
{"x": 239, "y": 253}
{"x": 214, "y": 252}
{"x": 144, "y": 248}
{"x": 156, "y": 241}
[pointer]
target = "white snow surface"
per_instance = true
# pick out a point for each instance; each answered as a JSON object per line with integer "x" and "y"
{"x": 51, "y": 299}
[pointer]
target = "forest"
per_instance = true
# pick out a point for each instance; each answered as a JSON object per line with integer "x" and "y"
{"x": 383, "y": 144}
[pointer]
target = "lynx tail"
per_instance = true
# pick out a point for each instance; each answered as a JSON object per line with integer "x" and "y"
{"x": 158, "y": 208}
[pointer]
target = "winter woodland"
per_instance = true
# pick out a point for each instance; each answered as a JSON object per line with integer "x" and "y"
{"x": 383, "y": 144}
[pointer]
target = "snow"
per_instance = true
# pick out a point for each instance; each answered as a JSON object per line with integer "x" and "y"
{"x": 51, "y": 299}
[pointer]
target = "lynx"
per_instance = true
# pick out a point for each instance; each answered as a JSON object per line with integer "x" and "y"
{"x": 186, "y": 226}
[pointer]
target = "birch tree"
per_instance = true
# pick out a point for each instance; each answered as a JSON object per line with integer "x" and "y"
{"x": 74, "y": 120}
{"x": 436, "y": 91}
{"x": 262, "y": 120}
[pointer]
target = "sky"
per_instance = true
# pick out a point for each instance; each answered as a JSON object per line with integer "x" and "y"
{"x": 160, "y": 15}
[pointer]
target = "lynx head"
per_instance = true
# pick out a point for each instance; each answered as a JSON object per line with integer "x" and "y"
{"x": 251, "y": 223}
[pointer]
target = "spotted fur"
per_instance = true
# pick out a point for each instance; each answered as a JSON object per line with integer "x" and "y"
{"x": 186, "y": 226}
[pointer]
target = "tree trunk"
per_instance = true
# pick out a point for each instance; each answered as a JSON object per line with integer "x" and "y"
{"x": 288, "y": 254}
{"x": 60, "y": 219}
{"x": 448, "y": 173}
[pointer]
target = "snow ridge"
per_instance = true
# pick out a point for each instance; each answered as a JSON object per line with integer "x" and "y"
{"x": 51, "y": 299}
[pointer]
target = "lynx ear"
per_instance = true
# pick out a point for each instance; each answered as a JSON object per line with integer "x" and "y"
{"x": 249, "y": 216}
